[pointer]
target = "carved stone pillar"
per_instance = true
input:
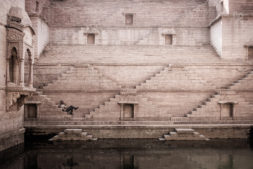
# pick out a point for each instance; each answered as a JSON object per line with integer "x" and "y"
{"x": 31, "y": 75}
{"x": 8, "y": 70}
{"x": 22, "y": 73}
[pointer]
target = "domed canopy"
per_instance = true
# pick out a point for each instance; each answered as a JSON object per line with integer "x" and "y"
{"x": 16, "y": 12}
{"x": 21, "y": 16}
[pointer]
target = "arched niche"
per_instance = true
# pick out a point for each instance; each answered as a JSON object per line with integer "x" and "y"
{"x": 28, "y": 64}
{"x": 13, "y": 66}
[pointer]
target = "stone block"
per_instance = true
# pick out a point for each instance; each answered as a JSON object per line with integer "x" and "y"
{"x": 73, "y": 131}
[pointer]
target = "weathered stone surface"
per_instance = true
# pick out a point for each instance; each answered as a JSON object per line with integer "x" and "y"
{"x": 73, "y": 135}
{"x": 16, "y": 52}
{"x": 173, "y": 66}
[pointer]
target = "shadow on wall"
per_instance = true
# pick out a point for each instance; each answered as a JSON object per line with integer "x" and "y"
{"x": 251, "y": 137}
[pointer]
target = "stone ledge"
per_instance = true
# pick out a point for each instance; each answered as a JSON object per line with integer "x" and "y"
{"x": 73, "y": 135}
{"x": 142, "y": 126}
{"x": 46, "y": 91}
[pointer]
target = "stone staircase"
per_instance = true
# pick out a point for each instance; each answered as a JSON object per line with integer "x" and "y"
{"x": 158, "y": 74}
{"x": 217, "y": 96}
{"x": 85, "y": 78}
{"x": 43, "y": 85}
{"x": 183, "y": 134}
{"x": 212, "y": 98}
{"x": 147, "y": 54}
{"x": 125, "y": 93}
{"x": 176, "y": 78}
{"x": 211, "y": 107}
{"x": 244, "y": 80}
{"x": 47, "y": 109}
{"x": 112, "y": 109}
{"x": 90, "y": 114}
{"x": 75, "y": 78}
{"x": 73, "y": 135}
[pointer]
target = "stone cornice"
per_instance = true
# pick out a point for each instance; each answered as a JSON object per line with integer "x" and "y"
{"x": 173, "y": 65}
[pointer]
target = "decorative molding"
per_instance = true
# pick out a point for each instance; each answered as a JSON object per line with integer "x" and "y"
{"x": 14, "y": 35}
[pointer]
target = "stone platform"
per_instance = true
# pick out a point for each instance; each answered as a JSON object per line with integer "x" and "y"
{"x": 211, "y": 131}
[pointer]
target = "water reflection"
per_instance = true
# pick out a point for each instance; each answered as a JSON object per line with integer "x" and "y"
{"x": 170, "y": 158}
{"x": 69, "y": 164}
{"x": 251, "y": 137}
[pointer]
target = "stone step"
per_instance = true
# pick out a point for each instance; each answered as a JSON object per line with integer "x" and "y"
{"x": 184, "y": 130}
{"x": 183, "y": 134}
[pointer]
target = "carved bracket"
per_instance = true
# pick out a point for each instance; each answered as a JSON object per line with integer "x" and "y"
{"x": 15, "y": 100}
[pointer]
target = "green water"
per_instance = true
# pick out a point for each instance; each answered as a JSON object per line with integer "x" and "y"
{"x": 129, "y": 155}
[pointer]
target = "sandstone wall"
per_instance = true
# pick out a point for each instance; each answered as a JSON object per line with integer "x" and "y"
{"x": 130, "y": 36}
{"x": 42, "y": 35}
{"x": 184, "y": 13}
{"x": 236, "y": 31}
{"x": 230, "y": 33}
{"x": 35, "y": 7}
{"x": 3, "y": 69}
{"x": 10, "y": 122}
{"x": 166, "y": 91}
{"x": 242, "y": 6}
{"x": 70, "y": 21}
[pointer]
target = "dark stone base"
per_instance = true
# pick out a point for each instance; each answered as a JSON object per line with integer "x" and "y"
{"x": 10, "y": 153}
{"x": 11, "y": 139}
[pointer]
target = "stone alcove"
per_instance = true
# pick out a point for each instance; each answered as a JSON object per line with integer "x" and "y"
{"x": 227, "y": 109}
{"x": 13, "y": 66}
{"x": 19, "y": 53}
{"x": 127, "y": 110}
{"x": 168, "y": 37}
{"x": 91, "y": 36}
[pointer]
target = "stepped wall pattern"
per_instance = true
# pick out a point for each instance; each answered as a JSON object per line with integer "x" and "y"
{"x": 127, "y": 68}
{"x": 158, "y": 89}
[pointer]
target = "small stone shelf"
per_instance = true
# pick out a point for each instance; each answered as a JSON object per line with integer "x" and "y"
{"x": 73, "y": 135}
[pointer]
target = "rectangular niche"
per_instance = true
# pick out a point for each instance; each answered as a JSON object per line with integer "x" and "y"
{"x": 128, "y": 111}
{"x": 129, "y": 19}
{"x": 168, "y": 39}
{"x": 250, "y": 53}
{"x": 227, "y": 110}
{"x": 91, "y": 38}
{"x": 30, "y": 111}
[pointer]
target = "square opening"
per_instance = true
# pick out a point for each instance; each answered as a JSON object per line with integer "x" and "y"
{"x": 250, "y": 53}
{"x": 227, "y": 110}
{"x": 30, "y": 111}
{"x": 168, "y": 39}
{"x": 128, "y": 110}
{"x": 91, "y": 38}
{"x": 129, "y": 19}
